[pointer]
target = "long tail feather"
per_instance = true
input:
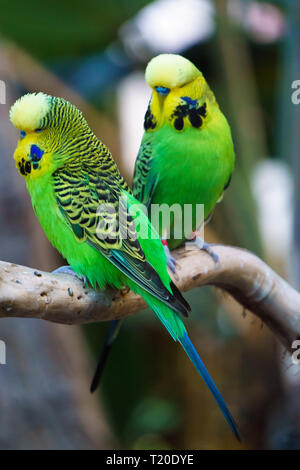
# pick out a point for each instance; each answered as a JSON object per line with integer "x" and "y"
{"x": 175, "y": 326}
{"x": 112, "y": 333}
{"x": 196, "y": 360}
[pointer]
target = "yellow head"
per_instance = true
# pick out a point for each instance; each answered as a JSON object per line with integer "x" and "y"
{"x": 49, "y": 128}
{"x": 181, "y": 96}
{"x": 170, "y": 71}
{"x": 27, "y": 115}
{"x": 28, "y": 111}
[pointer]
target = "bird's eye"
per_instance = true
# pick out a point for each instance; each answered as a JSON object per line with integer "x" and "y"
{"x": 22, "y": 134}
{"x": 38, "y": 131}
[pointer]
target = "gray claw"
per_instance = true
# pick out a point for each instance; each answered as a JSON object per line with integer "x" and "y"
{"x": 206, "y": 247}
{"x": 69, "y": 270}
{"x": 202, "y": 245}
{"x": 171, "y": 263}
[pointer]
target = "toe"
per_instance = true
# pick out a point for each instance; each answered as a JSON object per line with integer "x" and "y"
{"x": 171, "y": 263}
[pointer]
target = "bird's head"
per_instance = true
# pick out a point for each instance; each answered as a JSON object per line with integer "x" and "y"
{"x": 179, "y": 89}
{"x": 49, "y": 128}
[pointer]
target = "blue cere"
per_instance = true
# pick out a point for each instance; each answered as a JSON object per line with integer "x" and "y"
{"x": 36, "y": 153}
{"x": 162, "y": 90}
{"x": 22, "y": 134}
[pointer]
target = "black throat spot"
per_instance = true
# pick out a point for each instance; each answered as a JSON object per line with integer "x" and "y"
{"x": 24, "y": 167}
{"x": 190, "y": 109}
{"x": 149, "y": 121}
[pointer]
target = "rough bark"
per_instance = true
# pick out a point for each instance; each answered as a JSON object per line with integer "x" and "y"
{"x": 25, "y": 292}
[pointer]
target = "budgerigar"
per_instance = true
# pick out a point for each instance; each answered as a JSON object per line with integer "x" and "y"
{"x": 84, "y": 207}
{"x": 186, "y": 155}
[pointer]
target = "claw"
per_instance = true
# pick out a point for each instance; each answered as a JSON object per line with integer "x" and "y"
{"x": 171, "y": 263}
{"x": 206, "y": 247}
{"x": 69, "y": 270}
{"x": 202, "y": 245}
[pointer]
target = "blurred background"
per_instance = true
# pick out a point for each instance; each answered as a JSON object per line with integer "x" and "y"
{"x": 94, "y": 54}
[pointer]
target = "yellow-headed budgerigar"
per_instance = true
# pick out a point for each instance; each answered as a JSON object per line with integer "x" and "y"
{"x": 186, "y": 155}
{"x": 84, "y": 206}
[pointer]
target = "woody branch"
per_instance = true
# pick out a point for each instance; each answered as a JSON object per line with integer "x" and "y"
{"x": 61, "y": 298}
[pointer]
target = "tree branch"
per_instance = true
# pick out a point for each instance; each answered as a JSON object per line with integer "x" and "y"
{"x": 61, "y": 298}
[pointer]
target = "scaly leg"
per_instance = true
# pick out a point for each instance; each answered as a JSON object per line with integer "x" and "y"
{"x": 198, "y": 242}
{"x": 171, "y": 261}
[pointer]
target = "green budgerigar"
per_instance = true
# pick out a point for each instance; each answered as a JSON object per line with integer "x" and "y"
{"x": 186, "y": 155}
{"x": 85, "y": 208}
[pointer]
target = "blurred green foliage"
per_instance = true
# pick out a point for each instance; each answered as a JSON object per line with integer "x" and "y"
{"x": 68, "y": 28}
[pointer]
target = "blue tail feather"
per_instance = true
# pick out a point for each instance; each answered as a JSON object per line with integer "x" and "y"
{"x": 196, "y": 360}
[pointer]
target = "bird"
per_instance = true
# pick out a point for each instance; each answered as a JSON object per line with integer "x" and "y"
{"x": 85, "y": 207}
{"x": 185, "y": 161}
{"x": 186, "y": 157}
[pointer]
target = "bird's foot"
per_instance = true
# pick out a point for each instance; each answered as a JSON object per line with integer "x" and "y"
{"x": 69, "y": 270}
{"x": 202, "y": 245}
{"x": 171, "y": 261}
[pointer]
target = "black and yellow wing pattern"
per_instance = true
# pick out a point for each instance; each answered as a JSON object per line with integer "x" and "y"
{"x": 144, "y": 183}
{"x": 93, "y": 203}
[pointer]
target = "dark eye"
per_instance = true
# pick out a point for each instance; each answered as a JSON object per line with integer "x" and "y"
{"x": 38, "y": 131}
{"x": 22, "y": 134}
